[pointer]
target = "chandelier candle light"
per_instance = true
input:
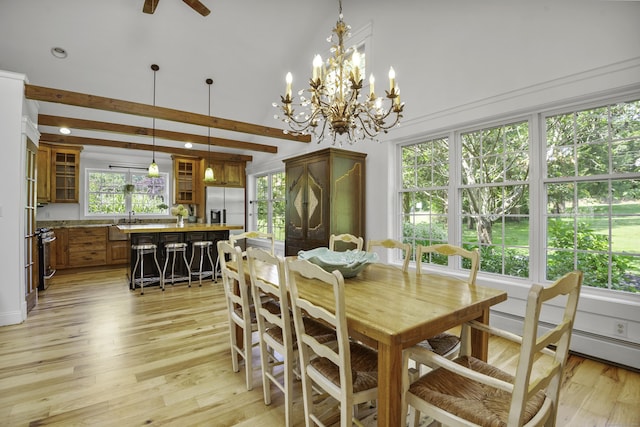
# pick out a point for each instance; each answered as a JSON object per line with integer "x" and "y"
{"x": 334, "y": 97}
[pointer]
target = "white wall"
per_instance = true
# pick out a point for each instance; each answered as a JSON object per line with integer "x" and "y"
{"x": 463, "y": 62}
{"x": 16, "y": 121}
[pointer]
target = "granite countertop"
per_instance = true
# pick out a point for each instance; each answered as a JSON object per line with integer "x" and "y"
{"x": 74, "y": 223}
{"x": 173, "y": 227}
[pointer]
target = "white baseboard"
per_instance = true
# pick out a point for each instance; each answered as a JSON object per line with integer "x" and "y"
{"x": 12, "y": 317}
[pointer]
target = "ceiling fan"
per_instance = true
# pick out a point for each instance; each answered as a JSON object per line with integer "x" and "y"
{"x": 150, "y": 6}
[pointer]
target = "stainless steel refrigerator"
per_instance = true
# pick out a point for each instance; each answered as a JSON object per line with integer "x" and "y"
{"x": 229, "y": 204}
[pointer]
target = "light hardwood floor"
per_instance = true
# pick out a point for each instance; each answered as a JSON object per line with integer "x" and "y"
{"x": 93, "y": 353}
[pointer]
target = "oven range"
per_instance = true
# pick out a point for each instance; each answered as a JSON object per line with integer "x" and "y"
{"x": 46, "y": 272}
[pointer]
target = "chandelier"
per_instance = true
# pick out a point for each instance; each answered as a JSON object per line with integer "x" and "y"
{"x": 334, "y": 106}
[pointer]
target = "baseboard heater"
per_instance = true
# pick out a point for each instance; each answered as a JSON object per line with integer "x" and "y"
{"x": 606, "y": 349}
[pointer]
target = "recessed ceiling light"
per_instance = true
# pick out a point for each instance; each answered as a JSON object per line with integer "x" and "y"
{"x": 59, "y": 52}
{"x": 188, "y": 145}
{"x": 65, "y": 131}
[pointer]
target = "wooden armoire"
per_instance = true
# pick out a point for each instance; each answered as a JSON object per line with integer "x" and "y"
{"x": 325, "y": 195}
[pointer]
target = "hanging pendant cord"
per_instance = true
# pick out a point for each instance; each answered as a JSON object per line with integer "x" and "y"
{"x": 209, "y": 82}
{"x": 155, "y": 68}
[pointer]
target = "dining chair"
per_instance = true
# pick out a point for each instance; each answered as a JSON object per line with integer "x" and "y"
{"x": 276, "y": 330}
{"x": 348, "y": 371}
{"x": 347, "y": 239}
{"x": 468, "y": 391}
{"x": 447, "y": 344}
{"x": 240, "y": 310}
{"x": 393, "y": 244}
{"x": 266, "y": 237}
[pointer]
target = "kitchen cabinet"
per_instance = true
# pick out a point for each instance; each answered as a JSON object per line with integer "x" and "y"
{"x": 117, "y": 252}
{"x": 186, "y": 180}
{"x": 44, "y": 173}
{"x": 60, "y": 249}
{"x": 77, "y": 247}
{"x": 117, "y": 246}
{"x": 227, "y": 173}
{"x": 325, "y": 195}
{"x": 65, "y": 173}
{"x": 87, "y": 246}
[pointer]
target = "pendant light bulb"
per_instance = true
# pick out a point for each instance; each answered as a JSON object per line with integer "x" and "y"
{"x": 154, "y": 171}
{"x": 208, "y": 173}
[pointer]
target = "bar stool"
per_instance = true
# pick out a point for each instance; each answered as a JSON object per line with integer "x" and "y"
{"x": 203, "y": 246}
{"x": 174, "y": 249}
{"x": 141, "y": 251}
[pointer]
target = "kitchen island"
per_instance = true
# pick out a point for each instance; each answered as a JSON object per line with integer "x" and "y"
{"x": 161, "y": 234}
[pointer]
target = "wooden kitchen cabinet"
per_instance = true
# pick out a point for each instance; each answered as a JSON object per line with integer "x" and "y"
{"x": 186, "y": 173}
{"x": 227, "y": 173}
{"x": 44, "y": 173}
{"x": 65, "y": 173}
{"x": 325, "y": 195}
{"x": 118, "y": 252}
{"x": 87, "y": 246}
{"x": 118, "y": 246}
{"x": 60, "y": 249}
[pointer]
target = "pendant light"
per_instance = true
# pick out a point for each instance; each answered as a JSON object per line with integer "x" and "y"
{"x": 154, "y": 172}
{"x": 208, "y": 173}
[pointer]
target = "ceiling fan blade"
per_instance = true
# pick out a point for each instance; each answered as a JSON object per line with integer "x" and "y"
{"x": 150, "y": 6}
{"x": 198, "y": 7}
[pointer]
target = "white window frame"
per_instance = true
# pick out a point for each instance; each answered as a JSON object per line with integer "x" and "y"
{"x": 537, "y": 194}
{"x": 269, "y": 200}
{"x": 127, "y": 207}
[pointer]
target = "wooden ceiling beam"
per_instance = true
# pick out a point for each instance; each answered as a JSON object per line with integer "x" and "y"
{"x": 45, "y": 94}
{"x": 73, "y": 123}
{"x": 79, "y": 140}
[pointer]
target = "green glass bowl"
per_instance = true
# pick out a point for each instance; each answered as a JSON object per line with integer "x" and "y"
{"x": 350, "y": 263}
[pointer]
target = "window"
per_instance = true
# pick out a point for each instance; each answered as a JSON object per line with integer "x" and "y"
{"x": 592, "y": 188}
{"x": 475, "y": 188}
{"x": 424, "y": 194}
{"x": 494, "y": 173}
{"x": 118, "y": 193}
{"x": 269, "y": 205}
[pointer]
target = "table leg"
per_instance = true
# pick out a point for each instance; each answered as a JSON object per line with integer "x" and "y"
{"x": 390, "y": 377}
{"x": 479, "y": 339}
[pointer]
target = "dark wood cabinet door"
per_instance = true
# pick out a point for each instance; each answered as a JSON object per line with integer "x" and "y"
{"x": 325, "y": 195}
{"x": 317, "y": 200}
{"x": 296, "y": 201}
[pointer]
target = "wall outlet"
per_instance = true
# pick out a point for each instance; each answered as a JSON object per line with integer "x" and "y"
{"x": 620, "y": 329}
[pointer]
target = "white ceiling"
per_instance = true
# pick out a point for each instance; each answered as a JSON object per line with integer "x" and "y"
{"x": 112, "y": 44}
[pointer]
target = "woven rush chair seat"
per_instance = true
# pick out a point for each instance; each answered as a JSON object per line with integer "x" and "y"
{"x": 364, "y": 368}
{"x": 471, "y": 400}
{"x": 441, "y": 344}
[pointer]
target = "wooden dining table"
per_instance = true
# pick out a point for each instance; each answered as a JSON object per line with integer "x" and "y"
{"x": 394, "y": 310}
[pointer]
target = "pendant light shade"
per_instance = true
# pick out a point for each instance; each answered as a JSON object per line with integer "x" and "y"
{"x": 208, "y": 173}
{"x": 154, "y": 172}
